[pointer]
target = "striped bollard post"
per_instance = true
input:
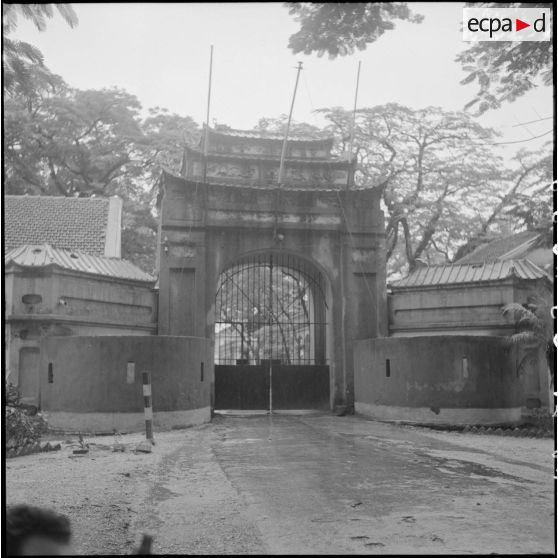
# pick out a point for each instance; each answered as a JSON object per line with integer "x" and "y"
{"x": 147, "y": 408}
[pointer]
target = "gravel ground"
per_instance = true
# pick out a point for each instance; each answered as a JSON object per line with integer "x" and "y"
{"x": 102, "y": 492}
{"x": 114, "y": 497}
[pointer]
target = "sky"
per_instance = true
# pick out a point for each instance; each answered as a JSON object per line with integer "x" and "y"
{"x": 160, "y": 53}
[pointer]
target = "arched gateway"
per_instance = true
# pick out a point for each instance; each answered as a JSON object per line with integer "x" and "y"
{"x": 280, "y": 279}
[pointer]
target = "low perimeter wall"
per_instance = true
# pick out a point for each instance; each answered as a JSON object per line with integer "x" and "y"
{"x": 94, "y": 384}
{"x": 437, "y": 380}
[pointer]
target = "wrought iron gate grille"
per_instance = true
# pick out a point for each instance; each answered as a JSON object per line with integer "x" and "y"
{"x": 270, "y": 306}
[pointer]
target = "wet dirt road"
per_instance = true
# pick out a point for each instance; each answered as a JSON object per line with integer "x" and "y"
{"x": 311, "y": 484}
{"x": 328, "y": 485}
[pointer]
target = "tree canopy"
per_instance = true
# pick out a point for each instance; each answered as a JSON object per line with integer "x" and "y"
{"x": 340, "y": 28}
{"x": 64, "y": 141}
{"x": 503, "y": 70}
{"x": 20, "y": 58}
{"x": 506, "y": 70}
{"x": 443, "y": 186}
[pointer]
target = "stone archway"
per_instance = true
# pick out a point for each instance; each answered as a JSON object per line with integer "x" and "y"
{"x": 207, "y": 227}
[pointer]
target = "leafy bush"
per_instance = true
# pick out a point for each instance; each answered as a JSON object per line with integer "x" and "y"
{"x": 540, "y": 417}
{"x": 23, "y": 429}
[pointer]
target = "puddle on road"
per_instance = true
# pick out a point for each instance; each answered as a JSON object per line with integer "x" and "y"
{"x": 471, "y": 469}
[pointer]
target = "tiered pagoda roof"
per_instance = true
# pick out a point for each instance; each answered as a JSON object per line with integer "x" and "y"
{"x": 252, "y": 158}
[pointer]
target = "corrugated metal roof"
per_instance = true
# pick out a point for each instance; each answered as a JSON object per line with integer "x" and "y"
{"x": 71, "y": 223}
{"x": 470, "y": 273}
{"x": 45, "y": 255}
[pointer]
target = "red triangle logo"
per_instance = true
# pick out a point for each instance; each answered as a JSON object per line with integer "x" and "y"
{"x": 519, "y": 25}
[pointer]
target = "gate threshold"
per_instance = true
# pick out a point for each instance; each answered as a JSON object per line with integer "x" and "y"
{"x": 264, "y": 412}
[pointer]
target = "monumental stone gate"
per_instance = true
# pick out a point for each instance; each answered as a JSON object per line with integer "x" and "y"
{"x": 282, "y": 280}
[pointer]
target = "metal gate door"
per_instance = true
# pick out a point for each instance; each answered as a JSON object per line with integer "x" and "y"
{"x": 270, "y": 335}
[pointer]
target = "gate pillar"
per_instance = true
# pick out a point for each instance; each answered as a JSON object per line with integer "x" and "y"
{"x": 363, "y": 271}
{"x": 182, "y": 263}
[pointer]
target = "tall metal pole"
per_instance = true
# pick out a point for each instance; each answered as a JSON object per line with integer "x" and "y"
{"x": 270, "y": 335}
{"x": 283, "y": 154}
{"x": 207, "y": 116}
{"x": 352, "y": 137}
{"x": 284, "y": 150}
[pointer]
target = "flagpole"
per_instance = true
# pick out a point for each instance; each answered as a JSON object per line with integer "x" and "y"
{"x": 207, "y": 116}
{"x": 283, "y": 154}
{"x": 284, "y": 150}
{"x": 352, "y": 136}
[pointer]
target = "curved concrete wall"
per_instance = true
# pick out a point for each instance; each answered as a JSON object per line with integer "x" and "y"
{"x": 95, "y": 383}
{"x": 437, "y": 379}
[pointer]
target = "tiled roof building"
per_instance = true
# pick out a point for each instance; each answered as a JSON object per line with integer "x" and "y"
{"x": 91, "y": 225}
{"x": 468, "y": 299}
{"x": 64, "y": 277}
{"x": 509, "y": 247}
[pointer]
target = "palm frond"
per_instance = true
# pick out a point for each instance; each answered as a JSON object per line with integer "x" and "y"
{"x": 20, "y": 49}
{"x": 516, "y": 310}
{"x": 38, "y": 14}
{"x": 67, "y": 12}
{"x": 523, "y": 338}
{"x": 9, "y": 18}
{"x": 529, "y": 322}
